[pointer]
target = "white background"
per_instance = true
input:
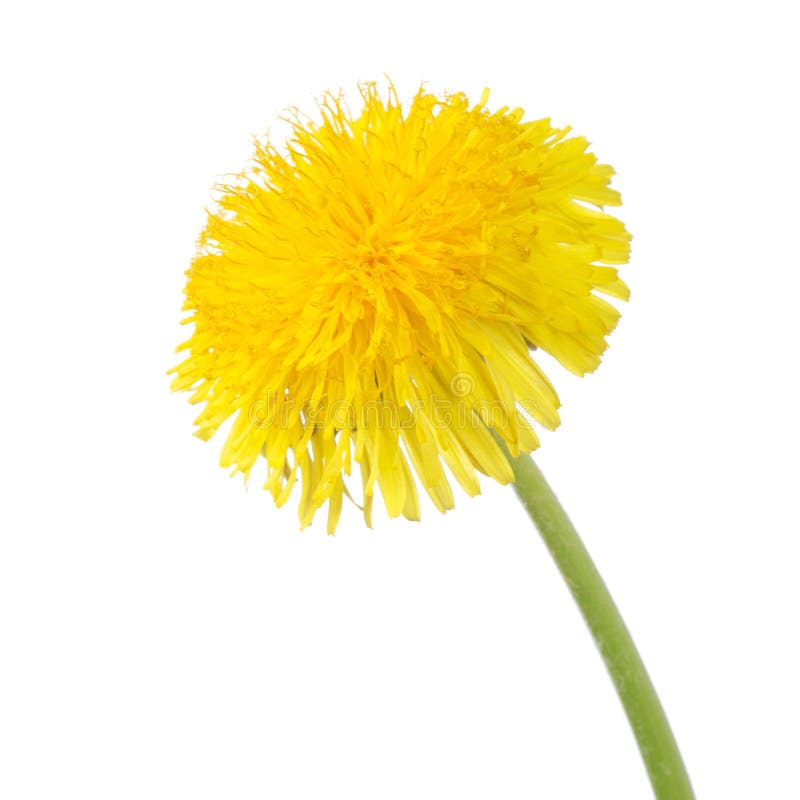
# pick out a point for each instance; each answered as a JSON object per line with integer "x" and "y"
{"x": 165, "y": 633}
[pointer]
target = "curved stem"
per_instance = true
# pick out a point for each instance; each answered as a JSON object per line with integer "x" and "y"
{"x": 647, "y": 718}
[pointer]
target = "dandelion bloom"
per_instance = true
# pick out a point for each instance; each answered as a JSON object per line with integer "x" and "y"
{"x": 373, "y": 292}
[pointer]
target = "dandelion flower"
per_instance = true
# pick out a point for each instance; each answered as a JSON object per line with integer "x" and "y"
{"x": 366, "y": 300}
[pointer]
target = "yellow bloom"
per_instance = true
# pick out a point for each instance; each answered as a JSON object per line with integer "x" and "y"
{"x": 372, "y": 294}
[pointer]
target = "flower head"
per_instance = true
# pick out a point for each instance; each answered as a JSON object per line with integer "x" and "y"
{"x": 366, "y": 300}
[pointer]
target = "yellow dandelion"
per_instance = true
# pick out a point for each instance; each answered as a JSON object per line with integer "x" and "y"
{"x": 365, "y": 301}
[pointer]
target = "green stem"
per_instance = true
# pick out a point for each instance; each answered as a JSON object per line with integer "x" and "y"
{"x": 647, "y": 718}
